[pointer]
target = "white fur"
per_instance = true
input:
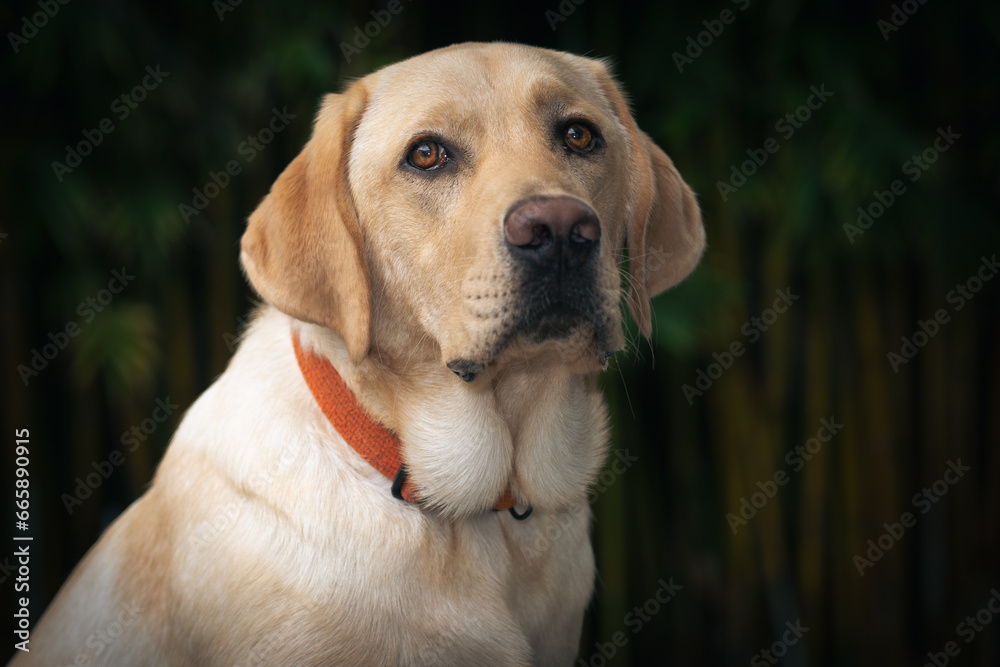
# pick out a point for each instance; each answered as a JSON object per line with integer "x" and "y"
{"x": 283, "y": 546}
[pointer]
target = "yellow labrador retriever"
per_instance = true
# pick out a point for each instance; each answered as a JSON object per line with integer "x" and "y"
{"x": 394, "y": 468}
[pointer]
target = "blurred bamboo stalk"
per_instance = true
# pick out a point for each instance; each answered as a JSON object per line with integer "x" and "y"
{"x": 811, "y": 484}
{"x": 877, "y": 470}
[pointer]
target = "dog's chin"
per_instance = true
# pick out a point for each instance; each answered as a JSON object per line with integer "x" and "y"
{"x": 560, "y": 322}
{"x": 560, "y": 334}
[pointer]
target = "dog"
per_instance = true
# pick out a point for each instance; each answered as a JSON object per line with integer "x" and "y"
{"x": 394, "y": 468}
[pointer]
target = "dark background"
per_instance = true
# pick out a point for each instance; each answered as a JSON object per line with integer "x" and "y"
{"x": 170, "y": 331}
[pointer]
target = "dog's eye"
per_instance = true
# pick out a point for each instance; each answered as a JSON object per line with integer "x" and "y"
{"x": 427, "y": 155}
{"x": 579, "y": 138}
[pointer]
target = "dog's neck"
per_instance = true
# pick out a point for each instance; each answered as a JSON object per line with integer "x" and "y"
{"x": 532, "y": 424}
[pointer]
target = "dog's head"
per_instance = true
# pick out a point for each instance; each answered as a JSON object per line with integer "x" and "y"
{"x": 474, "y": 202}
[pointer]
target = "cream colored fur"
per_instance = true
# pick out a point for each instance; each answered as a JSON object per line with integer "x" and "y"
{"x": 265, "y": 539}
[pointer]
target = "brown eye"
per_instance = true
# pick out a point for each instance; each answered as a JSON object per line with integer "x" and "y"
{"x": 579, "y": 138}
{"x": 427, "y": 155}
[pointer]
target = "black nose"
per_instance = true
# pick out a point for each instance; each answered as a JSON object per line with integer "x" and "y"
{"x": 552, "y": 230}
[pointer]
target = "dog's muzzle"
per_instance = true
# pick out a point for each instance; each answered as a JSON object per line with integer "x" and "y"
{"x": 554, "y": 243}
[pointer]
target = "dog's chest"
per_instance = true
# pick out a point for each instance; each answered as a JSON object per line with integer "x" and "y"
{"x": 484, "y": 591}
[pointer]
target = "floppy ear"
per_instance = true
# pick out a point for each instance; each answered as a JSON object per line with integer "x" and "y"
{"x": 663, "y": 230}
{"x": 665, "y": 234}
{"x": 303, "y": 251}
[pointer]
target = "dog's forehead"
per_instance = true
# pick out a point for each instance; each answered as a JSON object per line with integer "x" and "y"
{"x": 484, "y": 82}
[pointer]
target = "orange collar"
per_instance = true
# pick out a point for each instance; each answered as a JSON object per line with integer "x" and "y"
{"x": 376, "y": 444}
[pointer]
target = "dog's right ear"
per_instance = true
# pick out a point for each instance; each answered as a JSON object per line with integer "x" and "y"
{"x": 303, "y": 250}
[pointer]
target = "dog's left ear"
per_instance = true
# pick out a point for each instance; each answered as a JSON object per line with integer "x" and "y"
{"x": 664, "y": 233}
